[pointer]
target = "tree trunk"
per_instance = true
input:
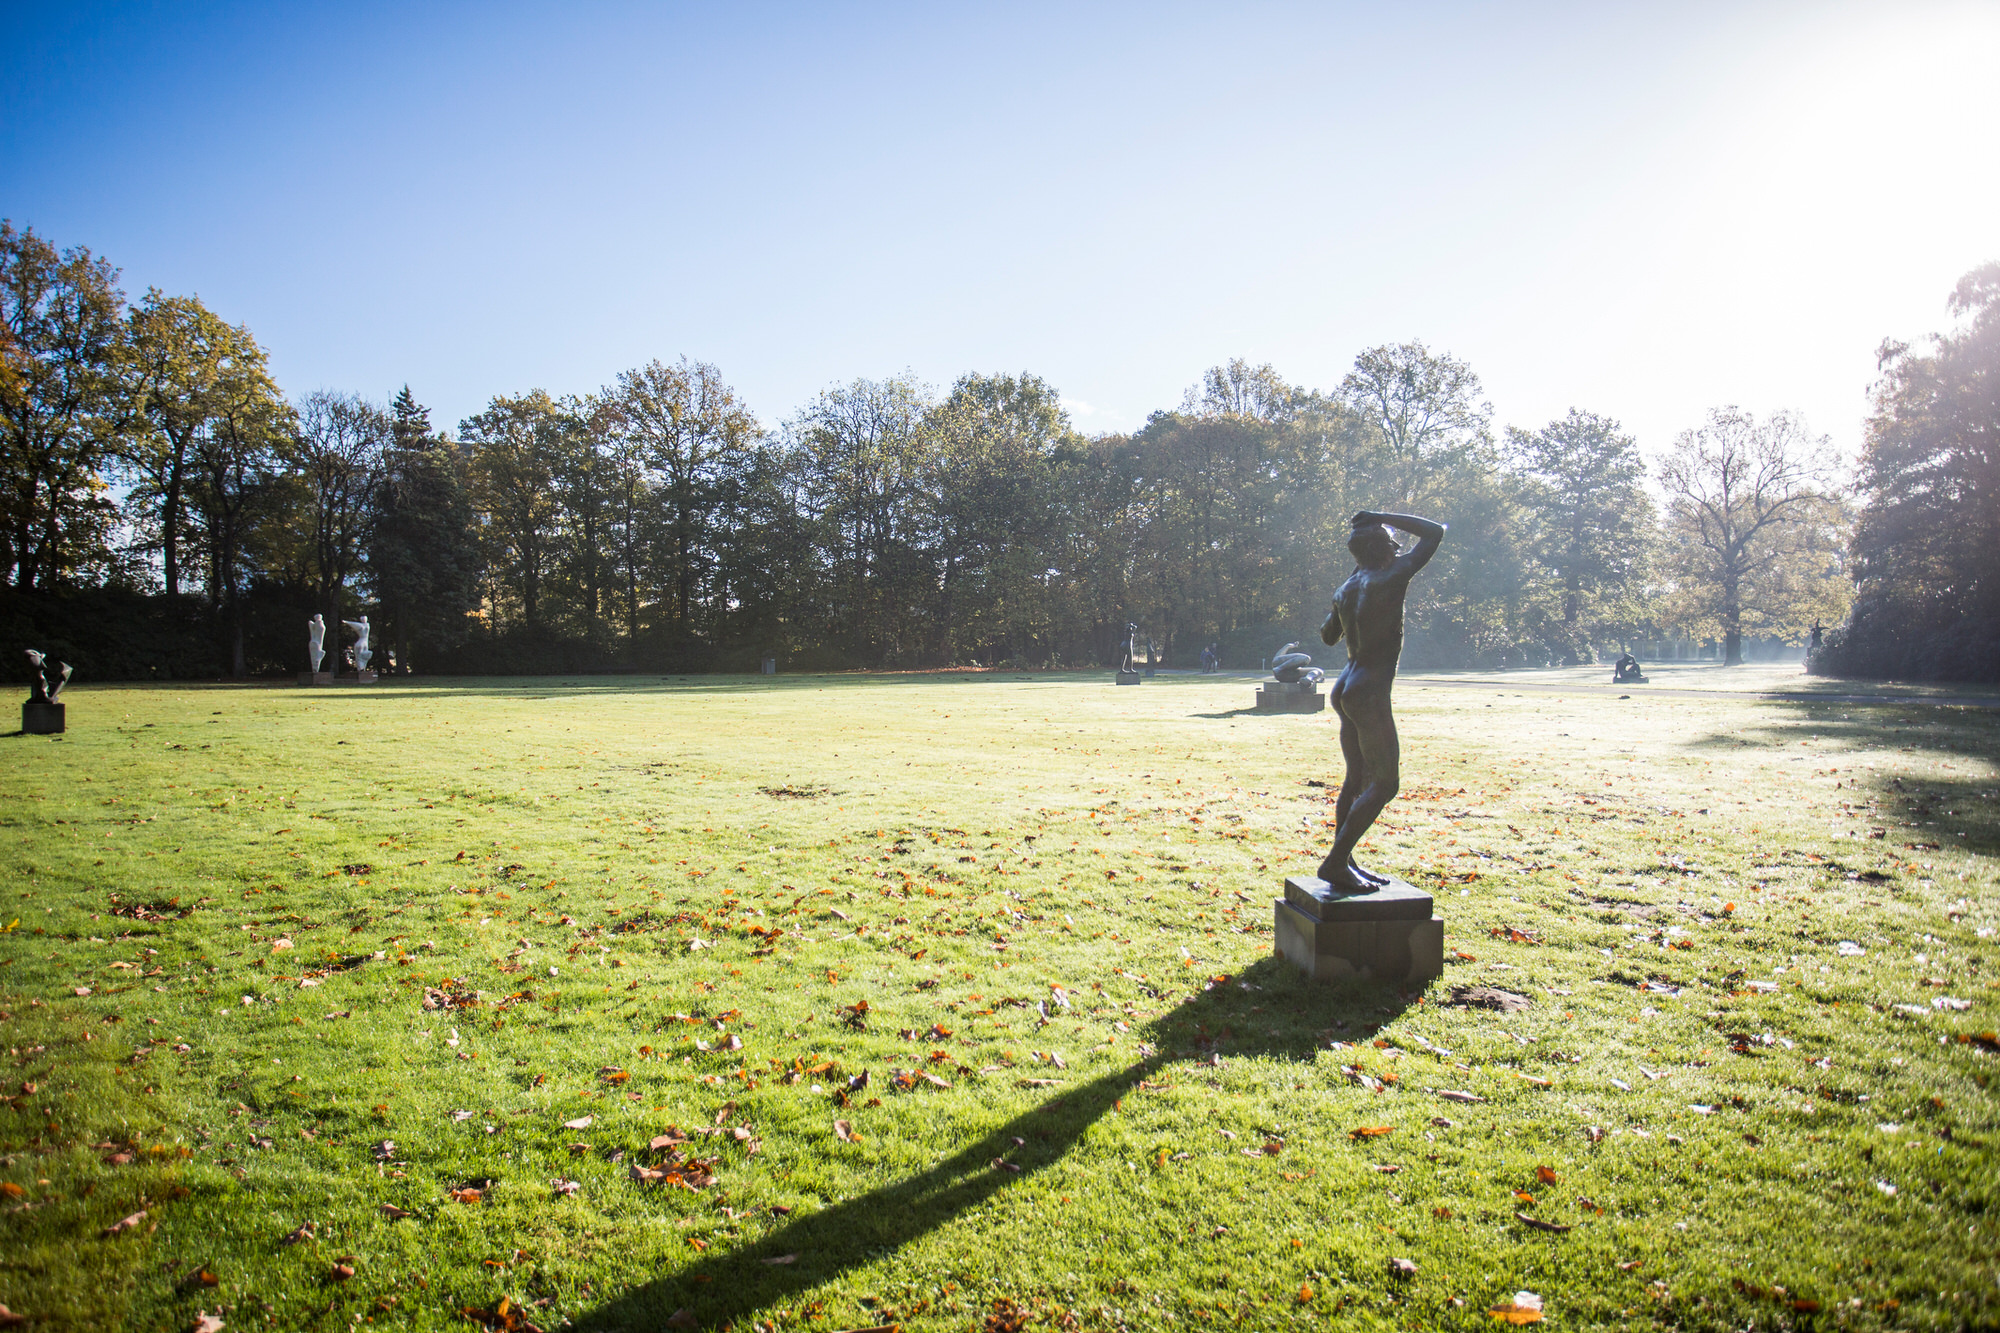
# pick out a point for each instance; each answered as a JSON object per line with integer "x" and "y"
{"x": 170, "y": 558}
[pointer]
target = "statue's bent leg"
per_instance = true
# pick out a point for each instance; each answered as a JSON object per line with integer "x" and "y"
{"x": 1376, "y": 776}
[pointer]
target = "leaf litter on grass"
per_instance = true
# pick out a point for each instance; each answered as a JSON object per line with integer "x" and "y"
{"x": 1111, "y": 971}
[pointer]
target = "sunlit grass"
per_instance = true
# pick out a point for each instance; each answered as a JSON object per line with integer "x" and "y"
{"x": 289, "y": 873}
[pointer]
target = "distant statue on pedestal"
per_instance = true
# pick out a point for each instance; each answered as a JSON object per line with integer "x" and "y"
{"x": 1818, "y": 637}
{"x": 1292, "y": 665}
{"x": 1625, "y": 671}
{"x": 316, "y": 641}
{"x": 361, "y": 650}
{"x": 1368, "y": 612}
{"x": 40, "y": 690}
{"x": 42, "y": 711}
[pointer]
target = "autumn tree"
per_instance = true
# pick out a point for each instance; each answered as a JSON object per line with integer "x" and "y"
{"x": 692, "y": 432}
{"x": 1590, "y": 522}
{"x": 237, "y": 456}
{"x": 1927, "y": 541}
{"x": 335, "y": 453}
{"x": 176, "y": 350}
{"x": 986, "y": 477}
{"x": 423, "y": 553}
{"x": 858, "y": 451}
{"x": 519, "y": 446}
{"x": 59, "y": 407}
{"x": 1754, "y": 526}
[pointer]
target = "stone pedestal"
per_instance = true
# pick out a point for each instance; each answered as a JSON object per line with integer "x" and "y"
{"x": 1129, "y": 678}
{"x": 39, "y": 717}
{"x": 1387, "y": 936}
{"x": 364, "y": 678}
{"x": 315, "y": 678}
{"x": 1298, "y": 696}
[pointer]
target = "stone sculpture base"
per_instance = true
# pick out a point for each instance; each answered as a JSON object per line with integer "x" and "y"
{"x": 362, "y": 678}
{"x": 1298, "y": 696}
{"x": 1129, "y": 678}
{"x": 39, "y": 717}
{"x": 315, "y": 678}
{"x": 1388, "y": 936}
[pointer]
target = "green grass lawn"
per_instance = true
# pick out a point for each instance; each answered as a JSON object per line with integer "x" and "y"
{"x": 948, "y": 1002}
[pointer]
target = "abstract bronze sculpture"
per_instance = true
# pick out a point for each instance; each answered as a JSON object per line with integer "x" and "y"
{"x": 1368, "y": 613}
{"x": 42, "y": 712}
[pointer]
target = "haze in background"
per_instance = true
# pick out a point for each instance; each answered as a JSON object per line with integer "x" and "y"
{"x": 1644, "y": 213}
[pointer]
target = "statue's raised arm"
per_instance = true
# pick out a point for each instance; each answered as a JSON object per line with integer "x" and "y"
{"x": 1428, "y": 532}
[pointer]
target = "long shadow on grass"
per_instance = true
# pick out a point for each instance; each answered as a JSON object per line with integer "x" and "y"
{"x": 811, "y": 1250}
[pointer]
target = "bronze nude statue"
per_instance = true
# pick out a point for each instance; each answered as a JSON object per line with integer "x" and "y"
{"x": 1368, "y": 613}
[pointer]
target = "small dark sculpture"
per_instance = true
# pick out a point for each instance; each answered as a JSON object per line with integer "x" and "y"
{"x": 1818, "y": 637}
{"x": 1368, "y": 613}
{"x": 1292, "y": 665}
{"x": 1625, "y": 671}
{"x": 1131, "y": 666}
{"x": 40, "y": 691}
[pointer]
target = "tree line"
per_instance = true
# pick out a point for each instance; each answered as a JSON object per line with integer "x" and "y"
{"x": 161, "y": 488}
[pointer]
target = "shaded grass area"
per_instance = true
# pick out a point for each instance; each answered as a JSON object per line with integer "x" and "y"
{"x": 351, "y": 954}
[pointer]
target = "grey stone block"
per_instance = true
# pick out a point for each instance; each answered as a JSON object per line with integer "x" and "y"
{"x": 1129, "y": 678}
{"x": 1394, "y": 901}
{"x": 39, "y": 717}
{"x": 1298, "y": 696}
{"x": 1390, "y": 952}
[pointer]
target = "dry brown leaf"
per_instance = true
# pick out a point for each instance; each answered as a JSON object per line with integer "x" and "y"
{"x": 466, "y": 1196}
{"x": 124, "y": 1224}
{"x": 1545, "y": 1174}
{"x": 581, "y": 1122}
{"x": 392, "y": 1212}
{"x": 204, "y": 1322}
{"x": 1525, "y": 1308}
{"x": 304, "y": 1232}
{"x": 1370, "y": 1132}
{"x": 782, "y": 1259}
{"x": 843, "y": 1131}
{"x": 683, "y": 1318}
{"x": 1540, "y": 1225}
{"x": 340, "y": 1272}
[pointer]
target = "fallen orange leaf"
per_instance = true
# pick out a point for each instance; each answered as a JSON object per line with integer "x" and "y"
{"x": 1525, "y": 1308}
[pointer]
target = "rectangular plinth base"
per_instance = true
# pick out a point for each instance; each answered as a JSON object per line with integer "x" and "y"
{"x": 42, "y": 718}
{"x": 1297, "y": 697}
{"x": 1129, "y": 678}
{"x": 362, "y": 678}
{"x": 1388, "y": 937}
{"x": 315, "y": 678}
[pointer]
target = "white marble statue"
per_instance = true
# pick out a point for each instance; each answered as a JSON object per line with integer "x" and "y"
{"x": 316, "y": 641}
{"x": 362, "y": 652}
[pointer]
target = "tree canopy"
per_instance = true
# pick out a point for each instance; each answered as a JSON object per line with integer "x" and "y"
{"x": 659, "y": 523}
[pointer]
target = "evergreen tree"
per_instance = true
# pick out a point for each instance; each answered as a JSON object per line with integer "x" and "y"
{"x": 423, "y": 562}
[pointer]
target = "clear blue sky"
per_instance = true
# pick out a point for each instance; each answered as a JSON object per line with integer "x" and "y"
{"x": 1640, "y": 210}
